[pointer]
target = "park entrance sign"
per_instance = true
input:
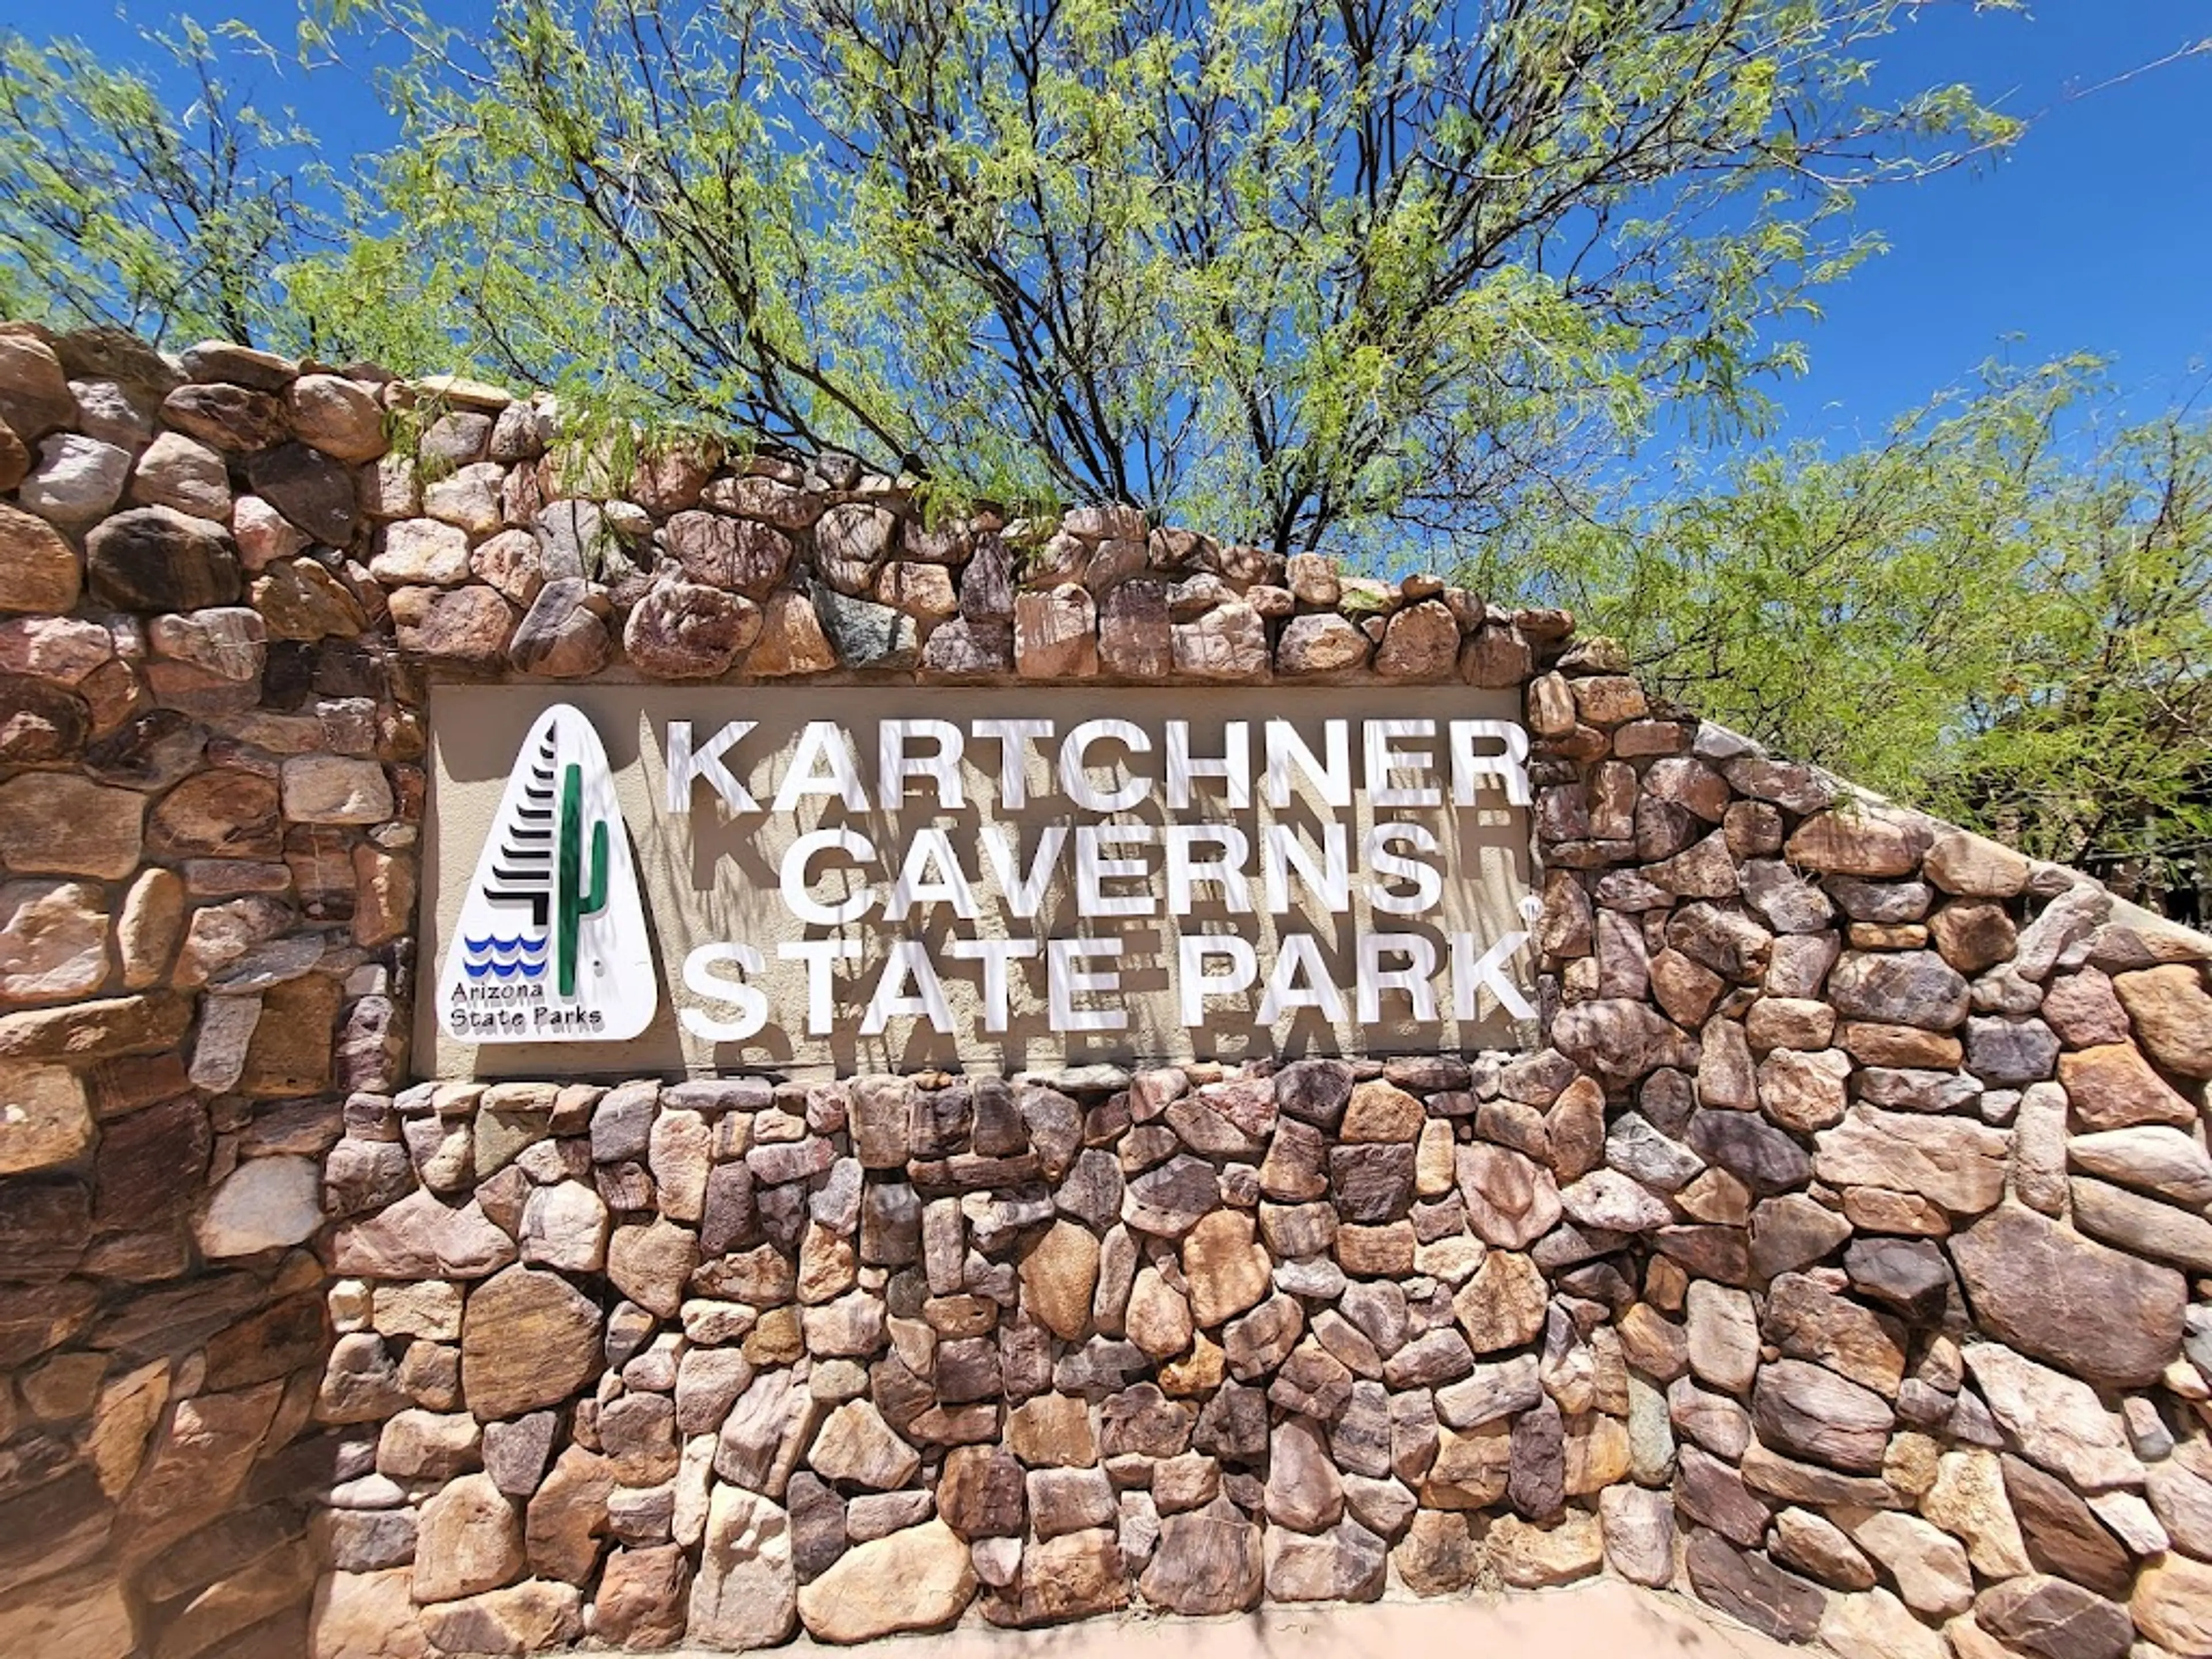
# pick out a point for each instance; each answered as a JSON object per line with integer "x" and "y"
{"x": 734, "y": 876}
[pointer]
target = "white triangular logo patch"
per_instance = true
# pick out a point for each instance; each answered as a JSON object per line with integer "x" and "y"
{"x": 551, "y": 946}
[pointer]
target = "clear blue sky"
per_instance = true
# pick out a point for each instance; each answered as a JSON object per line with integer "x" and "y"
{"x": 2095, "y": 233}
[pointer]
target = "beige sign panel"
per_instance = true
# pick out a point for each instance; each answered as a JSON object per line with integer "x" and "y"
{"x": 852, "y": 879}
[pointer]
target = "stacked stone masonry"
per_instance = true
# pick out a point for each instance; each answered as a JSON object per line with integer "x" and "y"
{"x": 1844, "y": 1258}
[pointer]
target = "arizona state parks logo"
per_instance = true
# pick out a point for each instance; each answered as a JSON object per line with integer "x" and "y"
{"x": 551, "y": 946}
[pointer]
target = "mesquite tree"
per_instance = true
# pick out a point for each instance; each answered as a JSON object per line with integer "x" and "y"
{"x": 1358, "y": 276}
{"x": 2002, "y": 612}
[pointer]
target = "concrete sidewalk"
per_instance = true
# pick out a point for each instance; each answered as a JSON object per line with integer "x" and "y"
{"x": 1602, "y": 1619}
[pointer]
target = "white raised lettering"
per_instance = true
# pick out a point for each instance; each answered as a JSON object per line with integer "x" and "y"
{"x": 818, "y": 955}
{"x": 701, "y": 982}
{"x": 1428, "y": 882}
{"x": 1197, "y": 985}
{"x": 1225, "y": 870}
{"x": 1063, "y": 983}
{"x": 1508, "y": 768}
{"x": 1012, "y": 737}
{"x": 908, "y": 959}
{"x": 930, "y": 875}
{"x": 1234, "y": 767}
{"x": 994, "y": 954}
{"x": 1300, "y": 957}
{"x": 822, "y": 764}
{"x": 1470, "y": 972}
{"x": 1384, "y": 757}
{"x": 793, "y": 877}
{"x": 686, "y": 764}
{"x": 1075, "y": 766}
{"x": 893, "y": 766}
{"x": 1412, "y": 979}
{"x": 1331, "y": 779}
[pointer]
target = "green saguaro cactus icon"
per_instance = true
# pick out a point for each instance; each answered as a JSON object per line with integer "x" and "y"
{"x": 576, "y": 898}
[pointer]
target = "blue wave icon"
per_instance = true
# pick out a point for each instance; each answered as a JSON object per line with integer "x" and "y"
{"x": 506, "y": 947}
{"x": 503, "y": 970}
{"x": 504, "y": 958}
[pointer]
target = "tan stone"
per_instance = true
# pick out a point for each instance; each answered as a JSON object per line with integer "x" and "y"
{"x": 524, "y": 1618}
{"x": 2173, "y": 1605}
{"x": 1320, "y": 644}
{"x": 1056, "y": 634}
{"x": 1900, "y": 1045}
{"x": 421, "y": 552}
{"x": 829, "y": 1265}
{"x": 335, "y": 789}
{"x": 1974, "y": 866}
{"x": 290, "y": 1052}
{"x": 1052, "y": 1431}
{"x": 419, "y": 1444}
{"x": 747, "y": 1593}
{"x": 263, "y": 534}
{"x": 650, "y": 1263}
{"x": 45, "y": 1117}
{"x": 429, "y": 1308}
{"x": 1530, "y": 1557}
{"x": 55, "y": 823}
{"x": 529, "y": 1338}
{"x": 1382, "y": 1112}
{"x": 367, "y": 1615}
{"x": 266, "y": 1203}
{"x": 2111, "y": 1086}
{"x": 1968, "y": 1499}
{"x": 1419, "y": 642}
{"x": 1058, "y": 1275}
{"x": 384, "y": 896}
{"x": 854, "y": 1446}
{"x": 1198, "y": 1375}
{"x": 2098, "y": 1312}
{"x": 339, "y": 418}
{"x": 640, "y": 1601}
{"x": 1435, "y": 1167}
{"x": 1439, "y": 1554}
{"x": 1158, "y": 1320}
{"x": 34, "y": 391}
{"x": 469, "y": 1539}
{"x": 791, "y": 638}
{"x": 226, "y": 813}
{"x": 1229, "y": 643}
{"x": 567, "y": 1520}
{"x": 465, "y": 627}
{"x": 123, "y": 1417}
{"x": 1857, "y": 841}
{"x": 1503, "y": 1305}
{"x": 299, "y": 599}
{"x": 1608, "y": 699}
{"x": 2173, "y": 1016}
{"x": 1956, "y": 1164}
{"x": 147, "y": 932}
{"x": 467, "y": 497}
{"x": 40, "y": 571}
{"x": 1928, "y": 1565}
{"x": 1875, "y": 1624}
{"x": 918, "y": 1579}
{"x": 1227, "y": 1269}
{"x": 1512, "y": 1201}
{"x": 2056, "y": 1421}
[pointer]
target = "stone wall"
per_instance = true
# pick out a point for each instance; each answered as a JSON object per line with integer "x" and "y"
{"x": 1843, "y": 1260}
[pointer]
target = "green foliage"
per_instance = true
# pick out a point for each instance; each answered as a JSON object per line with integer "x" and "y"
{"x": 2002, "y": 613}
{"x": 115, "y": 208}
{"x": 1366, "y": 275}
